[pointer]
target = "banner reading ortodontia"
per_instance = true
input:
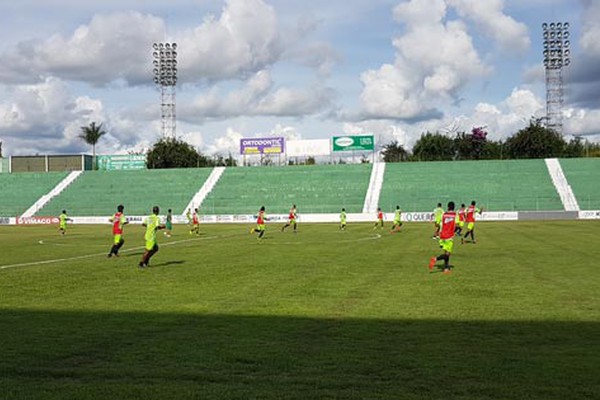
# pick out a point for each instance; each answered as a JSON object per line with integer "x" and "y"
{"x": 273, "y": 145}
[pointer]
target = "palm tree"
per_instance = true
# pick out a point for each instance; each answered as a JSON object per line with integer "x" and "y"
{"x": 91, "y": 134}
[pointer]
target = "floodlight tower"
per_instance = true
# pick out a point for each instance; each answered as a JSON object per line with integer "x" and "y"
{"x": 557, "y": 54}
{"x": 165, "y": 76}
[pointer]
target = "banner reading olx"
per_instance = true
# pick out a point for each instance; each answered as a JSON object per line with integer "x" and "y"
{"x": 348, "y": 143}
{"x": 274, "y": 145}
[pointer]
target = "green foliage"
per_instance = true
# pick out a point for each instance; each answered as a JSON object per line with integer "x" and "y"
{"x": 575, "y": 148}
{"x": 434, "y": 147}
{"x": 347, "y": 315}
{"x": 394, "y": 152}
{"x": 535, "y": 141}
{"x": 174, "y": 153}
{"x": 91, "y": 134}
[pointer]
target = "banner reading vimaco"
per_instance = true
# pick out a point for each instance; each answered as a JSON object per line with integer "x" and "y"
{"x": 273, "y": 145}
{"x": 348, "y": 143}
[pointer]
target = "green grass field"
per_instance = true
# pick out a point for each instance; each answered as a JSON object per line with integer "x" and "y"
{"x": 321, "y": 314}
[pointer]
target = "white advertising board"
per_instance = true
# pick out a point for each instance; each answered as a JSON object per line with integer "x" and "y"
{"x": 305, "y": 148}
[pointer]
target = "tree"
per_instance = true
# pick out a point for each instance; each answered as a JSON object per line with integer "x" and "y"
{"x": 394, "y": 152}
{"x": 91, "y": 134}
{"x": 575, "y": 148}
{"x": 535, "y": 141}
{"x": 174, "y": 153}
{"x": 434, "y": 147}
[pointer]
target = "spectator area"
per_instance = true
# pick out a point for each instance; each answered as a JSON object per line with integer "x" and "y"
{"x": 19, "y": 191}
{"x": 99, "y": 192}
{"x": 522, "y": 185}
{"x": 313, "y": 188}
{"x": 583, "y": 174}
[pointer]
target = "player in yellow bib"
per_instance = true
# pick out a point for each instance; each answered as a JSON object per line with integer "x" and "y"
{"x": 397, "y": 220}
{"x": 152, "y": 224}
{"x": 343, "y": 220}
{"x": 62, "y": 222}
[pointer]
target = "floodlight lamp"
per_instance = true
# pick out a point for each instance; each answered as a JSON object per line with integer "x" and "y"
{"x": 567, "y": 43}
{"x": 544, "y": 26}
{"x": 161, "y": 45}
{"x": 174, "y": 46}
{"x": 155, "y": 46}
{"x": 552, "y": 25}
{"x": 168, "y": 45}
{"x": 567, "y": 52}
{"x": 566, "y": 25}
{"x": 552, "y": 35}
{"x": 174, "y": 54}
{"x": 567, "y": 62}
{"x": 155, "y": 54}
{"x": 566, "y": 34}
{"x": 559, "y": 25}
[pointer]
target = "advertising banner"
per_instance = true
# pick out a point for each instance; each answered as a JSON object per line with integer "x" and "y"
{"x": 37, "y": 220}
{"x": 304, "y": 148}
{"x": 590, "y": 214}
{"x": 119, "y": 162}
{"x": 274, "y": 145}
{"x": 347, "y": 143}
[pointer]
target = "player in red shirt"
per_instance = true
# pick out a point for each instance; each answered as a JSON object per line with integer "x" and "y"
{"x": 260, "y": 223}
{"x": 448, "y": 223}
{"x": 462, "y": 217}
{"x": 195, "y": 223}
{"x": 293, "y": 216}
{"x": 471, "y": 211}
{"x": 379, "y": 219}
{"x": 118, "y": 222}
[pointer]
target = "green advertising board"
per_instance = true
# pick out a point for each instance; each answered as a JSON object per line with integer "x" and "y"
{"x": 124, "y": 161}
{"x": 347, "y": 143}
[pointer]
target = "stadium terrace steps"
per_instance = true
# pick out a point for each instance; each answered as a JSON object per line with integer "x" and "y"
{"x": 56, "y": 190}
{"x": 20, "y": 190}
{"x": 97, "y": 193}
{"x": 498, "y": 185}
{"x": 583, "y": 175}
{"x": 374, "y": 191}
{"x": 562, "y": 186}
{"x": 313, "y": 188}
{"x": 206, "y": 188}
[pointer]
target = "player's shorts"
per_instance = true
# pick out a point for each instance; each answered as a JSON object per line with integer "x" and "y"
{"x": 292, "y": 221}
{"x": 461, "y": 224}
{"x": 151, "y": 245}
{"x": 397, "y": 222}
{"x": 117, "y": 238}
{"x": 437, "y": 221}
{"x": 470, "y": 226}
{"x": 62, "y": 226}
{"x": 260, "y": 227}
{"x": 169, "y": 225}
{"x": 447, "y": 245}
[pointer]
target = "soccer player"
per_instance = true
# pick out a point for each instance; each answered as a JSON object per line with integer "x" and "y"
{"x": 471, "y": 210}
{"x": 448, "y": 223}
{"x": 62, "y": 222}
{"x": 169, "y": 223}
{"x": 437, "y": 219}
{"x": 188, "y": 215}
{"x": 119, "y": 221}
{"x": 462, "y": 216}
{"x": 152, "y": 224}
{"x": 397, "y": 220}
{"x": 195, "y": 223}
{"x": 292, "y": 219}
{"x": 260, "y": 223}
{"x": 379, "y": 219}
{"x": 343, "y": 220}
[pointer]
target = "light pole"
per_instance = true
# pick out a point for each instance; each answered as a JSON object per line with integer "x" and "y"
{"x": 557, "y": 54}
{"x": 165, "y": 76}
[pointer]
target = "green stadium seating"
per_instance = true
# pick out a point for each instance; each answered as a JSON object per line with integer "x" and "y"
{"x": 313, "y": 188}
{"x": 97, "y": 193}
{"x": 19, "y": 191}
{"x": 497, "y": 185}
{"x": 583, "y": 174}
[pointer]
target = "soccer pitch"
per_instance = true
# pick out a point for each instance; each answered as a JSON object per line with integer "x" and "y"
{"x": 317, "y": 314}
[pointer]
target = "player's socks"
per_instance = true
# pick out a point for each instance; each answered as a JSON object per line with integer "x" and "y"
{"x": 432, "y": 261}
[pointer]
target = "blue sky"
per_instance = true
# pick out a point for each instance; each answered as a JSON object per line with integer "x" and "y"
{"x": 309, "y": 69}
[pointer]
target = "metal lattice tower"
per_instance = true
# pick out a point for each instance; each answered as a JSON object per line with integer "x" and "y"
{"x": 165, "y": 76}
{"x": 556, "y": 56}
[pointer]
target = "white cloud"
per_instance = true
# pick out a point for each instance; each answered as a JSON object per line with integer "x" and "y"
{"x": 590, "y": 31}
{"x": 512, "y": 36}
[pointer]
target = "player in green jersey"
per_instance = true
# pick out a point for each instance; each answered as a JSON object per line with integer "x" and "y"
{"x": 62, "y": 222}
{"x": 169, "y": 223}
{"x": 437, "y": 220}
{"x": 397, "y": 220}
{"x": 343, "y": 220}
{"x": 152, "y": 224}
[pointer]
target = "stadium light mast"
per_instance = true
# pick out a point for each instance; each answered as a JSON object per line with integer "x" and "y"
{"x": 165, "y": 76}
{"x": 557, "y": 54}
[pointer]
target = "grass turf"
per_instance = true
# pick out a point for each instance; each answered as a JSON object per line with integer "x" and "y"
{"x": 318, "y": 314}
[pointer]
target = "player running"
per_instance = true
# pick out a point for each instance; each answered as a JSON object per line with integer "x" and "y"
{"x": 195, "y": 223}
{"x": 462, "y": 217}
{"x": 379, "y": 219}
{"x": 293, "y": 218}
{"x": 343, "y": 220}
{"x": 448, "y": 223}
{"x": 437, "y": 219}
{"x": 188, "y": 215}
{"x": 471, "y": 210}
{"x": 152, "y": 224}
{"x": 169, "y": 223}
{"x": 260, "y": 223}
{"x": 62, "y": 222}
{"x": 397, "y": 220}
{"x": 118, "y": 222}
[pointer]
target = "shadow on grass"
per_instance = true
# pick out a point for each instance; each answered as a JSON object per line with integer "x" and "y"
{"x": 55, "y": 355}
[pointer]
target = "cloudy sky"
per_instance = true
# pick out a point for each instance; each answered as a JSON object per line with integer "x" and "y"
{"x": 302, "y": 69}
